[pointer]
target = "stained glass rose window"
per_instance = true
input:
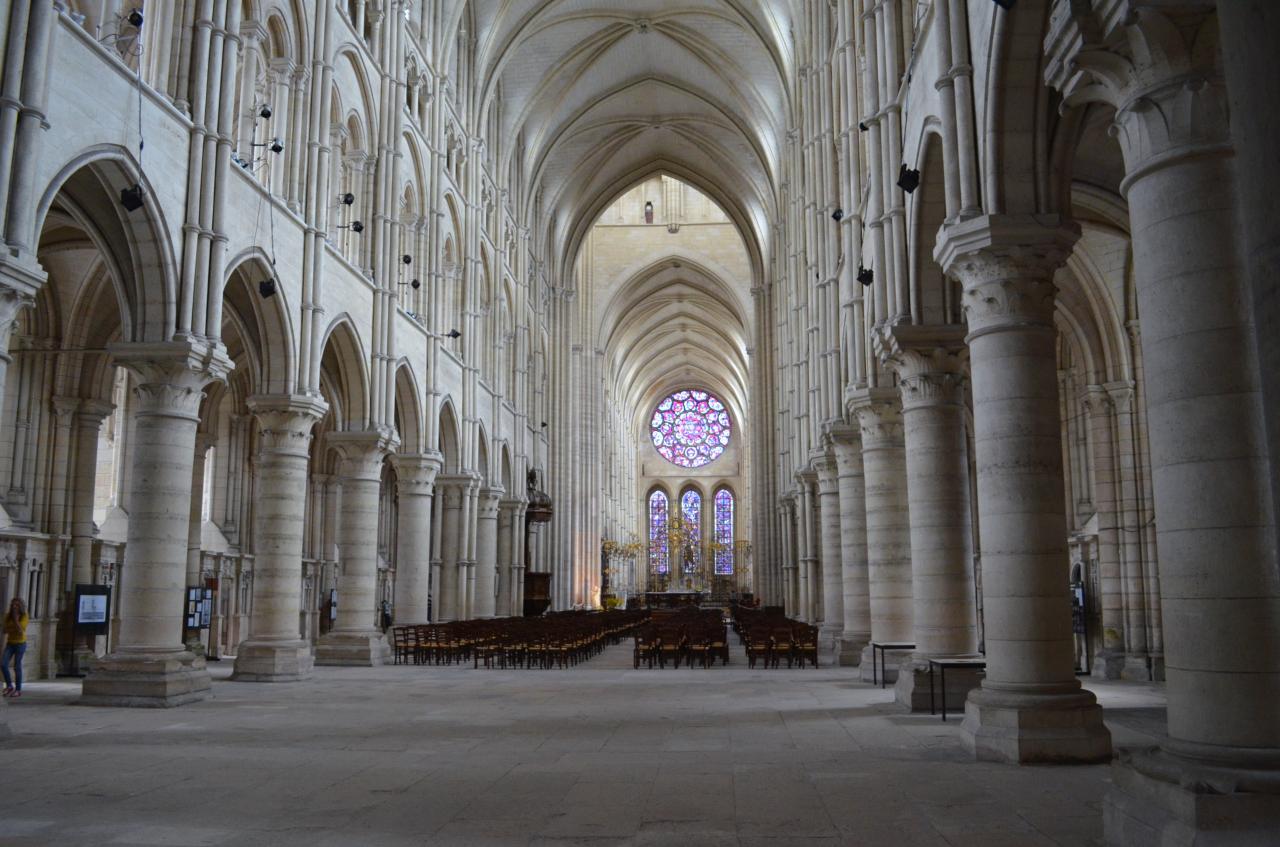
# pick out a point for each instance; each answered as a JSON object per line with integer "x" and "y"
{"x": 690, "y": 428}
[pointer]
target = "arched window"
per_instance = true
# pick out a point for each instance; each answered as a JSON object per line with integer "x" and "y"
{"x": 658, "y": 556}
{"x": 690, "y": 428}
{"x": 691, "y": 511}
{"x": 723, "y": 504}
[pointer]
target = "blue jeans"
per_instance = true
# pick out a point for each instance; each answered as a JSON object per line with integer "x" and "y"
{"x": 13, "y": 653}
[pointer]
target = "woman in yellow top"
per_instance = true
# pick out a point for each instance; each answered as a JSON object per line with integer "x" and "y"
{"x": 15, "y": 634}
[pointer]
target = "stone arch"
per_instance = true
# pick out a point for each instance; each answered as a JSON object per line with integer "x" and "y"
{"x": 408, "y": 409}
{"x": 344, "y": 375}
{"x": 262, "y": 325}
{"x": 449, "y": 444}
{"x": 935, "y": 299}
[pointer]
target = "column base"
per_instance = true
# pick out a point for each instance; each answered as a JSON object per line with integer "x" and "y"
{"x": 273, "y": 661}
{"x": 911, "y": 690}
{"x": 1159, "y": 799}
{"x": 829, "y": 641}
{"x": 367, "y": 649}
{"x": 155, "y": 680}
{"x": 849, "y": 649}
{"x": 888, "y": 672}
{"x": 1021, "y": 727}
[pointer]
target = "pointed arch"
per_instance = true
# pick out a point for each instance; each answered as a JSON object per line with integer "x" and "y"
{"x": 449, "y": 444}
{"x": 344, "y": 375}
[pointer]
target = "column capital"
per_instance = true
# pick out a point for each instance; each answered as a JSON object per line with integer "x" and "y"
{"x": 416, "y": 472}
{"x": 170, "y": 376}
{"x": 929, "y": 361}
{"x": 363, "y": 452}
{"x": 826, "y": 471}
{"x": 1156, "y": 64}
{"x": 19, "y": 283}
{"x": 93, "y": 412}
{"x": 1006, "y": 265}
{"x": 64, "y": 408}
{"x": 488, "y": 502}
{"x": 285, "y": 422}
{"x": 879, "y": 414}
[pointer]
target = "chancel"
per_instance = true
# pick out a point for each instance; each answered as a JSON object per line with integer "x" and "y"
{"x": 655, "y": 422}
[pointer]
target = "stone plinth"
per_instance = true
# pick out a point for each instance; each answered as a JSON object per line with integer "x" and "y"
{"x": 158, "y": 680}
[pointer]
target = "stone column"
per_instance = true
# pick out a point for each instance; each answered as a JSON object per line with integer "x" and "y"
{"x": 17, "y": 292}
{"x": 832, "y": 575}
{"x": 355, "y": 638}
{"x": 879, "y": 414}
{"x": 1030, "y": 707}
{"x": 486, "y": 567}
{"x": 847, "y": 443}
{"x": 789, "y": 578}
{"x": 508, "y": 538}
{"x": 1216, "y": 777}
{"x": 930, "y": 365}
{"x": 150, "y": 666}
{"x": 806, "y": 527}
{"x": 451, "y": 490}
{"x": 88, "y": 428}
{"x": 195, "y": 535}
{"x": 276, "y": 650}
{"x": 415, "y": 487}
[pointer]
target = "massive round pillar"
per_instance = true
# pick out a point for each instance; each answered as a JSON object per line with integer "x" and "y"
{"x": 1030, "y": 707}
{"x": 486, "y": 567}
{"x": 150, "y": 666}
{"x": 847, "y": 444}
{"x": 275, "y": 650}
{"x": 415, "y": 486}
{"x": 829, "y": 553}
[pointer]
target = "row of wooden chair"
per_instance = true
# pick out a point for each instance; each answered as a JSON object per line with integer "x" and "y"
{"x": 696, "y": 637}
{"x": 769, "y": 637}
{"x": 560, "y": 639}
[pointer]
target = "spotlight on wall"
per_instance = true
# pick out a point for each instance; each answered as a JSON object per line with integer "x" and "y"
{"x": 837, "y": 215}
{"x": 453, "y": 333}
{"x": 908, "y": 179}
{"x": 277, "y": 146}
{"x": 862, "y": 127}
{"x": 131, "y": 198}
{"x": 346, "y": 199}
{"x": 355, "y": 226}
{"x": 407, "y": 259}
{"x": 865, "y": 275}
{"x": 135, "y": 18}
{"x": 415, "y": 284}
{"x": 265, "y": 111}
{"x": 544, "y": 424}
{"x": 267, "y": 287}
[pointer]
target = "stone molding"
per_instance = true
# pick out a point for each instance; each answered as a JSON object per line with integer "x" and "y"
{"x": 825, "y": 468}
{"x": 929, "y": 361}
{"x": 285, "y": 423}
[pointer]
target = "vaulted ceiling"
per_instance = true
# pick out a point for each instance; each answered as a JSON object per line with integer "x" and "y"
{"x": 603, "y": 92}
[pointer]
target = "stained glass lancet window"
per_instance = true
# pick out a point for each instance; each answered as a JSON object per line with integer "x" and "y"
{"x": 690, "y": 428}
{"x": 723, "y": 504}
{"x": 658, "y": 558}
{"x": 691, "y": 511}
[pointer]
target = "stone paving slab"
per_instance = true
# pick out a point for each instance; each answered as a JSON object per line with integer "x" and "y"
{"x": 601, "y": 754}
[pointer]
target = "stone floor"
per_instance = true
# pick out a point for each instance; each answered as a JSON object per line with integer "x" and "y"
{"x": 601, "y": 754}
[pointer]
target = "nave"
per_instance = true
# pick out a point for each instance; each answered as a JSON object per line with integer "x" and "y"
{"x": 598, "y": 754}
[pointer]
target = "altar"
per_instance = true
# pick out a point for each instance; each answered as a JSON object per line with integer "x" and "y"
{"x": 673, "y": 599}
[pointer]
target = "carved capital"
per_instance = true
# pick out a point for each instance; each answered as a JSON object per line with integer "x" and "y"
{"x": 879, "y": 414}
{"x": 929, "y": 361}
{"x": 416, "y": 473}
{"x": 92, "y": 413}
{"x": 363, "y": 452}
{"x": 170, "y": 377}
{"x": 826, "y": 470}
{"x": 1006, "y": 266}
{"x": 488, "y": 503}
{"x": 285, "y": 422}
{"x": 1156, "y": 62}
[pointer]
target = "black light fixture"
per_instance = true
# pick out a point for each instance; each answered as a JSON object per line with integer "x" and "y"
{"x": 544, "y": 424}
{"x": 908, "y": 179}
{"x": 131, "y": 197}
{"x": 346, "y": 199}
{"x": 453, "y": 333}
{"x": 277, "y": 146}
{"x": 407, "y": 259}
{"x": 1004, "y": 4}
{"x": 267, "y": 287}
{"x": 265, "y": 111}
{"x": 837, "y": 215}
{"x": 865, "y": 275}
{"x": 354, "y": 226}
{"x": 135, "y": 18}
{"x": 862, "y": 127}
{"x": 415, "y": 284}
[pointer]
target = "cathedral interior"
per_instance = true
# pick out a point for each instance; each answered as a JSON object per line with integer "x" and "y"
{"x": 714, "y": 422}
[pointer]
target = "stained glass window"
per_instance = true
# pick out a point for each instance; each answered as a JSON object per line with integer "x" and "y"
{"x": 723, "y": 505}
{"x": 658, "y": 558}
{"x": 690, "y": 428}
{"x": 691, "y": 511}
